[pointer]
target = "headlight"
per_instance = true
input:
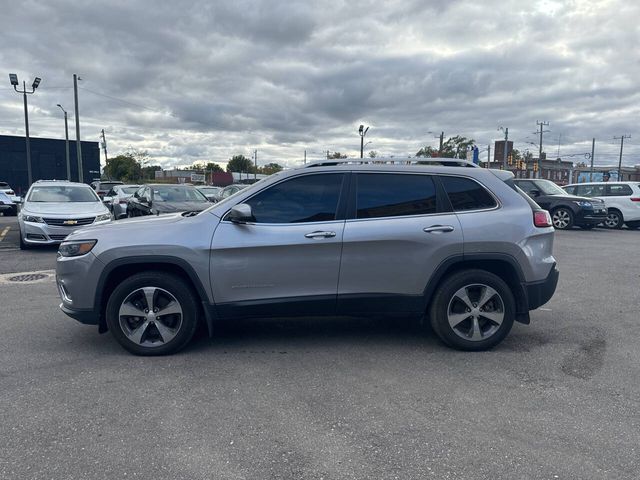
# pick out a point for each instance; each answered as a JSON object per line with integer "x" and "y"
{"x": 583, "y": 203}
{"x": 103, "y": 217}
{"x": 32, "y": 218}
{"x": 76, "y": 248}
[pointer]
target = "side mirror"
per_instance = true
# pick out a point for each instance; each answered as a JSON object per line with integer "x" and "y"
{"x": 241, "y": 213}
{"x": 534, "y": 193}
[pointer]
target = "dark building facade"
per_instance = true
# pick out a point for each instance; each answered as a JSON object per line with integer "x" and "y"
{"x": 48, "y": 161}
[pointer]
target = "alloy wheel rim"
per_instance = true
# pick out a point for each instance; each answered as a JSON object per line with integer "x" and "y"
{"x": 612, "y": 220}
{"x": 150, "y": 316}
{"x": 560, "y": 219}
{"x": 475, "y": 312}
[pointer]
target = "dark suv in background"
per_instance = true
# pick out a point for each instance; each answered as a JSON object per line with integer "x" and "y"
{"x": 566, "y": 210}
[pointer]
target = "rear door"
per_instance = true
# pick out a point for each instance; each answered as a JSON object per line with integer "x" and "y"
{"x": 617, "y": 195}
{"x": 287, "y": 261}
{"x": 396, "y": 235}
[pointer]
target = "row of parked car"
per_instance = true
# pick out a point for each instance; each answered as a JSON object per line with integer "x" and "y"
{"x": 128, "y": 200}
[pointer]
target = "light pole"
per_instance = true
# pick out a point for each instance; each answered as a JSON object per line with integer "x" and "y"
{"x": 78, "y": 144}
{"x": 506, "y": 142}
{"x": 66, "y": 142}
{"x": 362, "y": 131}
{"x": 14, "y": 81}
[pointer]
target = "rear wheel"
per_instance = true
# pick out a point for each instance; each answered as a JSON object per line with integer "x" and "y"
{"x": 562, "y": 218}
{"x": 472, "y": 310}
{"x": 152, "y": 313}
{"x": 614, "y": 219}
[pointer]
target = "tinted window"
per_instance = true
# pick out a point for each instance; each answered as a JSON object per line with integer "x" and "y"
{"x": 619, "y": 190}
{"x": 176, "y": 193}
{"x": 466, "y": 194}
{"x": 527, "y": 186}
{"x": 590, "y": 190}
{"x": 571, "y": 190}
{"x": 312, "y": 198}
{"x": 393, "y": 195}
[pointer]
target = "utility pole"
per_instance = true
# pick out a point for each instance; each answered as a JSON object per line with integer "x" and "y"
{"x": 593, "y": 151}
{"x": 78, "y": 147}
{"x": 362, "y": 131}
{"x": 305, "y": 157}
{"x": 104, "y": 147}
{"x": 506, "y": 144}
{"x": 66, "y": 142}
{"x": 14, "y": 83}
{"x": 620, "y": 160}
{"x": 541, "y": 124}
{"x": 441, "y": 143}
{"x": 488, "y": 155}
{"x": 255, "y": 170}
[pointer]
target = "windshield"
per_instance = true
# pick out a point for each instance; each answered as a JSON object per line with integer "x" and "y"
{"x": 213, "y": 190}
{"x": 60, "y": 193}
{"x": 549, "y": 188}
{"x": 170, "y": 193}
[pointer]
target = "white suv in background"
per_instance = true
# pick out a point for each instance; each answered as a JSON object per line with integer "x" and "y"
{"x": 621, "y": 198}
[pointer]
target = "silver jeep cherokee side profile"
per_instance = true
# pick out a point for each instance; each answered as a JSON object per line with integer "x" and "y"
{"x": 463, "y": 247}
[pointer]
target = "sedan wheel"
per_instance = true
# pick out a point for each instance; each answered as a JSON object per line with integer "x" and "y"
{"x": 476, "y": 319}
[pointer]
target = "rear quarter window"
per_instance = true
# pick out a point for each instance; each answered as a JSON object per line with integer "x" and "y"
{"x": 467, "y": 194}
{"x": 620, "y": 190}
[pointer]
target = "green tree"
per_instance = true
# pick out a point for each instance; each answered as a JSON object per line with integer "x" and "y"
{"x": 149, "y": 172}
{"x": 213, "y": 167}
{"x": 336, "y": 155}
{"x": 240, "y": 163}
{"x": 372, "y": 154}
{"x": 123, "y": 167}
{"x": 270, "y": 168}
{"x": 454, "y": 147}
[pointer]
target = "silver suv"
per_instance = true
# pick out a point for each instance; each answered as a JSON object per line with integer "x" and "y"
{"x": 462, "y": 246}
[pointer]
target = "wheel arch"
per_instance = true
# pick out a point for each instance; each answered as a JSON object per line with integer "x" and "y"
{"x": 503, "y": 265}
{"x": 119, "y": 269}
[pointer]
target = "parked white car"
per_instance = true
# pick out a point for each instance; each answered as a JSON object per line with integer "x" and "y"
{"x": 6, "y": 188}
{"x": 116, "y": 199}
{"x": 621, "y": 198}
{"x": 53, "y": 209}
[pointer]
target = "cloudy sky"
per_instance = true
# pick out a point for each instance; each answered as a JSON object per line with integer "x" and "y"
{"x": 201, "y": 81}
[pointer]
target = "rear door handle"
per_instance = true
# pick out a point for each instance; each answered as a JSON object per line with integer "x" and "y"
{"x": 438, "y": 229}
{"x": 320, "y": 234}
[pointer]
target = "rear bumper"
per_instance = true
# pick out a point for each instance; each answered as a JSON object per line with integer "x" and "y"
{"x": 539, "y": 293}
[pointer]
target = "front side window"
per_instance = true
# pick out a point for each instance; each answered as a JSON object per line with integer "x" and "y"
{"x": 466, "y": 194}
{"x": 311, "y": 198}
{"x": 61, "y": 193}
{"x": 394, "y": 195}
{"x": 619, "y": 190}
{"x": 590, "y": 190}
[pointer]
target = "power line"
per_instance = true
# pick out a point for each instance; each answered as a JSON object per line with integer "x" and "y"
{"x": 126, "y": 101}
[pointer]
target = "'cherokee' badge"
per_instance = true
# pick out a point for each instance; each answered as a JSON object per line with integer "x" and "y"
{"x": 70, "y": 222}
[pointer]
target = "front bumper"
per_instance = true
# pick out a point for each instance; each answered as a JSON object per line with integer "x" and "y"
{"x": 44, "y": 234}
{"x": 589, "y": 217}
{"x": 88, "y": 317}
{"x": 539, "y": 293}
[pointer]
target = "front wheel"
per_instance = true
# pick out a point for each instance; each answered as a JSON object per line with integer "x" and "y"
{"x": 614, "y": 220}
{"x": 562, "y": 218}
{"x": 152, "y": 313}
{"x": 472, "y": 310}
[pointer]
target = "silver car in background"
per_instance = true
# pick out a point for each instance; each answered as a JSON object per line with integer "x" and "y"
{"x": 53, "y": 209}
{"x": 116, "y": 199}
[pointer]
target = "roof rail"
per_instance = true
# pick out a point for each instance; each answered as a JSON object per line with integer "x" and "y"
{"x": 445, "y": 162}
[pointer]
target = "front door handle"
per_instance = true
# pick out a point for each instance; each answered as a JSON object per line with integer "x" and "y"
{"x": 438, "y": 229}
{"x": 320, "y": 234}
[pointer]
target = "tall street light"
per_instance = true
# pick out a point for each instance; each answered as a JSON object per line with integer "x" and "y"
{"x": 362, "y": 131}
{"x": 14, "y": 81}
{"x": 66, "y": 142}
{"x": 78, "y": 144}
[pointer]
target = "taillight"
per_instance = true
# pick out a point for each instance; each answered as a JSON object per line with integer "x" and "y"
{"x": 635, "y": 199}
{"x": 541, "y": 219}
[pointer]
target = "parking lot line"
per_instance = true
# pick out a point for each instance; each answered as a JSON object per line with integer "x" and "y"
{"x": 4, "y": 233}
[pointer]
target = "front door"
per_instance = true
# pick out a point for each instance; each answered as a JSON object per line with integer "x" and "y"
{"x": 287, "y": 261}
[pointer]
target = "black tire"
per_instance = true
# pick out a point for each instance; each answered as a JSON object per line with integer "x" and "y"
{"x": 614, "y": 219}
{"x": 23, "y": 245}
{"x": 12, "y": 212}
{"x": 185, "y": 324}
{"x": 445, "y": 298}
{"x": 562, "y": 218}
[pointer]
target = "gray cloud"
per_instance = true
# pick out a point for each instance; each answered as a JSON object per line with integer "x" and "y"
{"x": 194, "y": 81}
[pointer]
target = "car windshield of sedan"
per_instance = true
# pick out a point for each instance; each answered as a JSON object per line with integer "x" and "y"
{"x": 177, "y": 194}
{"x": 549, "y": 188}
{"x": 60, "y": 193}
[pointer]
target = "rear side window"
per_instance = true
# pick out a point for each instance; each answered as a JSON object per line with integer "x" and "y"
{"x": 590, "y": 190}
{"x": 311, "y": 198}
{"x": 394, "y": 195}
{"x": 466, "y": 194}
{"x": 619, "y": 190}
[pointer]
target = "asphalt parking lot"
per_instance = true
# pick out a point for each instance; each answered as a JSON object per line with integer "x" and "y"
{"x": 340, "y": 398}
